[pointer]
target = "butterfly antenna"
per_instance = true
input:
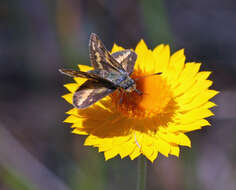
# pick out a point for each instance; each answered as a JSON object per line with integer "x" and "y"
{"x": 62, "y": 71}
{"x": 68, "y": 72}
{"x": 148, "y": 76}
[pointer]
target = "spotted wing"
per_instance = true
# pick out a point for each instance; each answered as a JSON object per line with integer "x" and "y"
{"x": 89, "y": 93}
{"x": 127, "y": 59}
{"x": 100, "y": 57}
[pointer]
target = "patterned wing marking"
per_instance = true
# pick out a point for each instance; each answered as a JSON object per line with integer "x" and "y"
{"x": 100, "y": 57}
{"x": 88, "y": 75}
{"x": 127, "y": 59}
{"x": 89, "y": 93}
{"x": 74, "y": 73}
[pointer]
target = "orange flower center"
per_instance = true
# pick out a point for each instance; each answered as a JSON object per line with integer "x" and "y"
{"x": 155, "y": 98}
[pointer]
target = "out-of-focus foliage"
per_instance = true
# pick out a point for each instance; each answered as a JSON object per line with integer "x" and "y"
{"x": 13, "y": 180}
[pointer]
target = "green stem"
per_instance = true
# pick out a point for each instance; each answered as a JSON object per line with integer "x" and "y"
{"x": 142, "y": 173}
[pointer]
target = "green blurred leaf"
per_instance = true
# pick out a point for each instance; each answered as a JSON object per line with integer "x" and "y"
{"x": 156, "y": 21}
{"x": 15, "y": 181}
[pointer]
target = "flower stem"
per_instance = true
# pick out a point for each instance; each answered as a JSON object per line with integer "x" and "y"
{"x": 142, "y": 173}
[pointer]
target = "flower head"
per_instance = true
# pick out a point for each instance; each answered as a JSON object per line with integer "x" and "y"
{"x": 171, "y": 104}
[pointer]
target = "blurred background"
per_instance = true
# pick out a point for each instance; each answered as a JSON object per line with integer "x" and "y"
{"x": 38, "y": 151}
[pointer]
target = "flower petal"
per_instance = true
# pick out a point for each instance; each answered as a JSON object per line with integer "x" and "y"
{"x": 135, "y": 153}
{"x": 72, "y": 119}
{"x": 73, "y": 111}
{"x": 193, "y": 115}
{"x": 127, "y": 148}
{"x": 176, "y": 66}
{"x": 147, "y": 57}
{"x": 79, "y": 132}
{"x": 116, "y": 48}
{"x": 154, "y": 155}
{"x": 186, "y": 79}
{"x": 111, "y": 153}
{"x": 174, "y": 150}
{"x": 72, "y": 87}
{"x": 199, "y": 100}
{"x": 164, "y": 147}
{"x": 68, "y": 98}
{"x": 192, "y": 126}
{"x": 85, "y": 68}
{"x": 147, "y": 151}
{"x": 162, "y": 57}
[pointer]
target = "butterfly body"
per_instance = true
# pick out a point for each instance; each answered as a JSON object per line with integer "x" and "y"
{"x": 111, "y": 72}
{"x": 119, "y": 80}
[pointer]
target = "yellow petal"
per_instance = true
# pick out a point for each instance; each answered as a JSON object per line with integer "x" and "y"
{"x": 208, "y": 105}
{"x": 194, "y": 92}
{"x": 143, "y": 57}
{"x": 186, "y": 79}
{"x": 184, "y": 140}
{"x": 72, "y": 87}
{"x": 104, "y": 147}
{"x": 106, "y": 143}
{"x": 158, "y": 49}
{"x": 68, "y": 98}
{"x": 141, "y": 47}
{"x": 204, "y": 97}
{"x": 175, "y": 138}
{"x": 163, "y": 147}
{"x": 198, "y": 124}
{"x": 161, "y": 57}
{"x": 85, "y": 68}
{"x": 72, "y": 119}
{"x": 135, "y": 153}
{"x": 73, "y": 111}
{"x": 121, "y": 139}
{"x": 78, "y": 124}
{"x": 176, "y": 57}
{"x": 79, "y": 132}
{"x": 203, "y": 75}
{"x": 174, "y": 150}
{"x": 147, "y": 151}
{"x": 199, "y": 100}
{"x": 194, "y": 115}
{"x": 91, "y": 140}
{"x": 127, "y": 149}
{"x": 111, "y": 153}
{"x": 153, "y": 156}
{"x": 116, "y": 48}
{"x": 199, "y": 84}
{"x": 176, "y": 66}
{"x": 79, "y": 81}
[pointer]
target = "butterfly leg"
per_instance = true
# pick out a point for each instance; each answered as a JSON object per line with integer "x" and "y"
{"x": 122, "y": 96}
{"x": 139, "y": 92}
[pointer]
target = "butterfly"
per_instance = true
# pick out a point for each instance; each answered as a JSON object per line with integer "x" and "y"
{"x": 111, "y": 72}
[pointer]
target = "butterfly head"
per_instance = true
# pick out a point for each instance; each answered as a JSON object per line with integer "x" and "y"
{"x": 128, "y": 85}
{"x": 131, "y": 88}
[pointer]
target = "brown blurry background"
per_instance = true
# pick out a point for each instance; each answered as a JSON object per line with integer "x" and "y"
{"x": 38, "y": 151}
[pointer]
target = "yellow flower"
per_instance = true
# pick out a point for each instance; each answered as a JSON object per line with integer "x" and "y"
{"x": 172, "y": 104}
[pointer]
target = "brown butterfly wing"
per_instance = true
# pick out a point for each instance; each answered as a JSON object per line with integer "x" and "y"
{"x": 100, "y": 57}
{"x": 88, "y": 75}
{"x": 127, "y": 59}
{"x": 89, "y": 93}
